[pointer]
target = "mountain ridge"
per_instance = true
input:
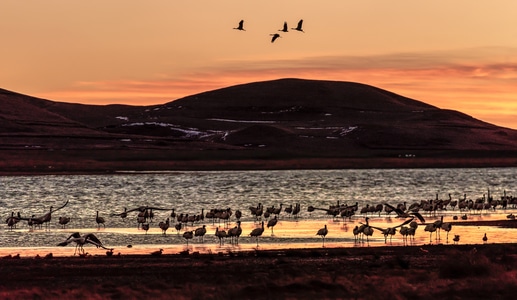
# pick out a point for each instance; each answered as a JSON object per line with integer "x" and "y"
{"x": 277, "y": 120}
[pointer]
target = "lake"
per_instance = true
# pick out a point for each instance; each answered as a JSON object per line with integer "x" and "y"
{"x": 196, "y": 192}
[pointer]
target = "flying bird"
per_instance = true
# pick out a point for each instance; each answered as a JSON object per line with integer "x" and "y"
{"x": 275, "y": 36}
{"x": 241, "y": 26}
{"x": 299, "y": 27}
{"x": 80, "y": 241}
{"x": 284, "y": 29}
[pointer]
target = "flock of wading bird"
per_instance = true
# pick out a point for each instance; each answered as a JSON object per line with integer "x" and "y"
{"x": 269, "y": 216}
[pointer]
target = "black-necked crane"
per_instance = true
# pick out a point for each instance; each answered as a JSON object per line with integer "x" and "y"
{"x": 367, "y": 230}
{"x": 235, "y": 233}
{"x": 221, "y": 234}
{"x": 447, "y": 227}
{"x": 323, "y": 233}
{"x": 430, "y": 228}
{"x": 100, "y": 221}
{"x": 63, "y": 221}
{"x": 284, "y": 29}
{"x": 485, "y": 239}
{"x": 241, "y": 26}
{"x": 201, "y": 231}
{"x": 299, "y": 26}
{"x": 178, "y": 227}
{"x": 271, "y": 223}
{"x": 80, "y": 241}
{"x": 164, "y": 226}
{"x": 257, "y": 232}
{"x": 274, "y": 37}
{"x": 145, "y": 226}
{"x": 188, "y": 235}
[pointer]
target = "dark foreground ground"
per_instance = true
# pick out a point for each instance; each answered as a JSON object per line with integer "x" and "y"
{"x": 419, "y": 272}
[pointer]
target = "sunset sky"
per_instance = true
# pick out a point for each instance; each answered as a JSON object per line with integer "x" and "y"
{"x": 459, "y": 54}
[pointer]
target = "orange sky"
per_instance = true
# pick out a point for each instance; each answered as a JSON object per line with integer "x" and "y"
{"x": 459, "y": 55}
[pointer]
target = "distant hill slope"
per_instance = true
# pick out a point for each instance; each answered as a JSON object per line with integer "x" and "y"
{"x": 279, "y": 119}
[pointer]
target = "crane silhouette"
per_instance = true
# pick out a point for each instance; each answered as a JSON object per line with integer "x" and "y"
{"x": 323, "y": 232}
{"x": 241, "y": 26}
{"x": 284, "y": 29}
{"x": 80, "y": 241}
{"x": 274, "y": 37}
{"x": 299, "y": 27}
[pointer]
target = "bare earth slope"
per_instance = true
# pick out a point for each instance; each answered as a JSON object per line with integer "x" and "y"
{"x": 285, "y": 123}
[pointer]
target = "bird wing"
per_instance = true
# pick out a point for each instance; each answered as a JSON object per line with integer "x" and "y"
{"x": 404, "y": 223}
{"x": 378, "y": 228}
{"x": 397, "y": 210}
{"x": 241, "y": 24}
{"x": 61, "y": 206}
{"x": 419, "y": 216}
{"x": 285, "y": 26}
{"x": 92, "y": 239}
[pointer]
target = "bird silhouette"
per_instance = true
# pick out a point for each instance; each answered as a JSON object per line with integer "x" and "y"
{"x": 271, "y": 223}
{"x": 284, "y": 29}
{"x": 323, "y": 232}
{"x": 188, "y": 235}
{"x": 164, "y": 226}
{"x": 257, "y": 232}
{"x": 63, "y": 221}
{"x": 241, "y": 26}
{"x": 201, "y": 231}
{"x": 456, "y": 239}
{"x": 80, "y": 241}
{"x": 100, "y": 221}
{"x": 299, "y": 27}
{"x": 274, "y": 37}
{"x": 485, "y": 239}
{"x": 157, "y": 252}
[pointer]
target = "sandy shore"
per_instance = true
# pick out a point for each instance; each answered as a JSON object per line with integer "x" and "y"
{"x": 425, "y": 272}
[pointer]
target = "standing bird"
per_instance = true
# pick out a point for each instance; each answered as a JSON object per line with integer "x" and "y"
{"x": 257, "y": 232}
{"x": 284, "y": 29}
{"x": 63, "y": 221}
{"x": 271, "y": 223}
{"x": 241, "y": 26}
{"x": 274, "y": 37}
{"x": 145, "y": 226}
{"x": 200, "y": 232}
{"x": 447, "y": 227}
{"x": 299, "y": 27}
{"x": 323, "y": 232}
{"x": 164, "y": 226}
{"x": 188, "y": 235}
{"x": 485, "y": 238}
{"x": 221, "y": 234}
{"x": 100, "y": 221}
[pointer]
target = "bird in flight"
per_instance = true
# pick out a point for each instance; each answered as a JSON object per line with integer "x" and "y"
{"x": 284, "y": 29}
{"x": 241, "y": 26}
{"x": 299, "y": 27}
{"x": 275, "y": 36}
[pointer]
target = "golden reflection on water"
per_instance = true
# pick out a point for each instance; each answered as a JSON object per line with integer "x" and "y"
{"x": 287, "y": 234}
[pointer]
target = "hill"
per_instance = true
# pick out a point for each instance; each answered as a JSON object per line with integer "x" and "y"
{"x": 285, "y": 123}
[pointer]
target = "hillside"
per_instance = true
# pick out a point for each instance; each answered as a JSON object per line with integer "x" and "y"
{"x": 283, "y": 123}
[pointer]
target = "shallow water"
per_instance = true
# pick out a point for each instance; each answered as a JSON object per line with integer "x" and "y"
{"x": 194, "y": 192}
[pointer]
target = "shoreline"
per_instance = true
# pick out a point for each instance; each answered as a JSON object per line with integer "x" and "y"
{"x": 464, "y": 271}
